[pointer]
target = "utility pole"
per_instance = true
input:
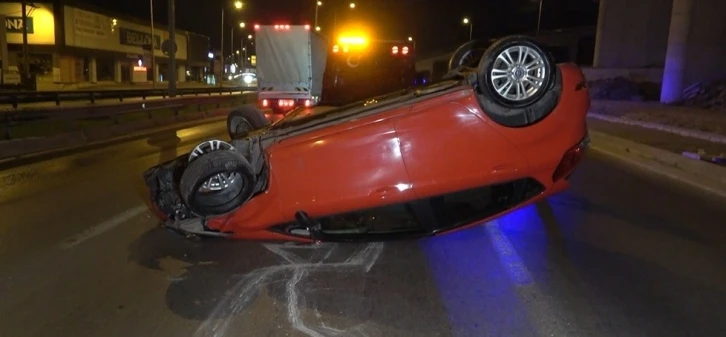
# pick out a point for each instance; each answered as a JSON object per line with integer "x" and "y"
{"x": 153, "y": 46}
{"x": 221, "y": 51}
{"x": 172, "y": 49}
{"x": 26, "y": 57}
{"x": 539, "y": 16}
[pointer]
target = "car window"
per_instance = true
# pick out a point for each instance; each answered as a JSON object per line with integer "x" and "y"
{"x": 381, "y": 220}
{"x": 304, "y": 115}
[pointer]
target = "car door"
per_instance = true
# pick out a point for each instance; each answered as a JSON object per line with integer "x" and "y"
{"x": 350, "y": 166}
{"x": 447, "y": 147}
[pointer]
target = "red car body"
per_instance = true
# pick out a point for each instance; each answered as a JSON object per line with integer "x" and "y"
{"x": 421, "y": 150}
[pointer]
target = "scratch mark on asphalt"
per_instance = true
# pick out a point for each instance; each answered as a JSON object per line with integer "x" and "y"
{"x": 298, "y": 267}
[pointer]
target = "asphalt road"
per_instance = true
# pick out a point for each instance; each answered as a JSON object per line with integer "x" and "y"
{"x": 621, "y": 254}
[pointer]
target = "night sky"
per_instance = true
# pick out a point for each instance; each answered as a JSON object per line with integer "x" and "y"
{"x": 434, "y": 24}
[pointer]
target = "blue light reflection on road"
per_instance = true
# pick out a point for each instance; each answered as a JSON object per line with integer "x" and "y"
{"x": 477, "y": 272}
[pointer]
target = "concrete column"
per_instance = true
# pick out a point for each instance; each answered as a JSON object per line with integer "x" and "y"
{"x": 156, "y": 72}
{"x": 181, "y": 73}
{"x": 696, "y": 48}
{"x": 92, "y": 70}
{"x": 600, "y": 34}
{"x": 117, "y": 71}
{"x": 675, "y": 63}
{"x": 632, "y": 33}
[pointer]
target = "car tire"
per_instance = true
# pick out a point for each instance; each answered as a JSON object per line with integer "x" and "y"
{"x": 244, "y": 120}
{"x": 226, "y": 200}
{"x": 466, "y": 56}
{"x": 498, "y": 74}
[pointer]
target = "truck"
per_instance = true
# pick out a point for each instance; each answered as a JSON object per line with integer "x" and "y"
{"x": 359, "y": 67}
{"x": 290, "y": 65}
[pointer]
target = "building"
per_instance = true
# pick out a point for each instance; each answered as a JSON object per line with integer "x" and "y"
{"x": 73, "y": 43}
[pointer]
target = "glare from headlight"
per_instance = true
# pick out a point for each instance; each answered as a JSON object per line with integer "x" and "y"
{"x": 248, "y": 79}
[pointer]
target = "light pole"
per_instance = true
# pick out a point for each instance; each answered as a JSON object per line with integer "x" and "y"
{"x": 317, "y": 6}
{"x": 539, "y": 16}
{"x": 172, "y": 49}
{"x": 153, "y": 46}
{"x": 237, "y": 5}
{"x": 466, "y": 21}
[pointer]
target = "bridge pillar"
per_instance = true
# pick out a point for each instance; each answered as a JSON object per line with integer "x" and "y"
{"x": 632, "y": 33}
{"x": 696, "y": 49}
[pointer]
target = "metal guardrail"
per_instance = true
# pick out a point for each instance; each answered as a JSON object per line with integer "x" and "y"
{"x": 66, "y": 119}
{"x": 19, "y": 97}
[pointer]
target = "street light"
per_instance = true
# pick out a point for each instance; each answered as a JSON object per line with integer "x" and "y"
{"x": 466, "y": 21}
{"x": 352, "y": 5}
{"x": 317, "y": 28}
{"x": 410, "y": 39}
{"x": 241, "y": 25}
{"x": 238, "y": 5}
{"x": 320, "y": 3}
{"x": 249, "y": 36}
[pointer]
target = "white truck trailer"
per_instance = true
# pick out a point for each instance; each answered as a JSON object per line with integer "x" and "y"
{"x": 290, "y": 66}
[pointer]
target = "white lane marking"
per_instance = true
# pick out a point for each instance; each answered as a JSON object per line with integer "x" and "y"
{"x": 545, "y": 319}
{"x": 103, "y": 227}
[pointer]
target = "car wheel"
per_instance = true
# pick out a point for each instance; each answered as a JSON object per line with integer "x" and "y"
{"x": 217, "y": 180}
{"x": 466, "y": 56}
{"x": 244, "y": 120}
{"x": 518, "y": 81}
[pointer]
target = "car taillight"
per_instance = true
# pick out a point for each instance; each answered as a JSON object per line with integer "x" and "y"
{"x": 394, "y": 50}
{"x": 307, "y": 27}
{"x": 404, "y": 50}
{"x": 265, "y": 103}
{"x": 286, "y": 102}
{"x": 336, "y": 48}
{"x": 257, "y": 27}
{"x": 307, "y": 102}
{"x": 572, "y": 157}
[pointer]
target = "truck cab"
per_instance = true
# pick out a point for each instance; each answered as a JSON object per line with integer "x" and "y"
{"x": 360, "y": 68}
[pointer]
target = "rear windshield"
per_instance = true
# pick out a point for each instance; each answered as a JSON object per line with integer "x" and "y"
{"x": 303, "y": 115}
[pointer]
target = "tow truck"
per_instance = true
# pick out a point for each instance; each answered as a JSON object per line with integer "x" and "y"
{"x": 359, "y": 67}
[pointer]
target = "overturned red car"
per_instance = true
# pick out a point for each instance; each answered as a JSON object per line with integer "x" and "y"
{"x": 494, "y": 136}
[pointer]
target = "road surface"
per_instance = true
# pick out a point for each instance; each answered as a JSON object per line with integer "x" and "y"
{"x": 621, "y": 254}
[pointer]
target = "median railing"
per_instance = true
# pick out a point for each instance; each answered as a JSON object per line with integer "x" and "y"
{"x": 15, "y": 98}
{"x": 31, "y": 131}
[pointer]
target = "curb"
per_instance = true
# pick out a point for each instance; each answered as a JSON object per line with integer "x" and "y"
{"x": 28, "y": 148}
{"x": 709, "y": 136}
{"x": 705, "y": 176}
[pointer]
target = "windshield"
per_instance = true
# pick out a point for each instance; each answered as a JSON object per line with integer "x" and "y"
{"x": 304, "y": 115}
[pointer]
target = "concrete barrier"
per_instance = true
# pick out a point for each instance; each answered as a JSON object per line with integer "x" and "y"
{"x": 700, "y": 174}
{"x": 20, "y": 148}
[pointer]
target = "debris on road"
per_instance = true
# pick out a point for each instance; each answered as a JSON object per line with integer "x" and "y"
{"x": 617, "y": 88}
{"x": 710, "y": 95}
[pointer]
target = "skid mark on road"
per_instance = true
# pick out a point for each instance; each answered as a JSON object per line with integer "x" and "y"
{"x": 103, "y": 227}
{"x": 298, "y": 264}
